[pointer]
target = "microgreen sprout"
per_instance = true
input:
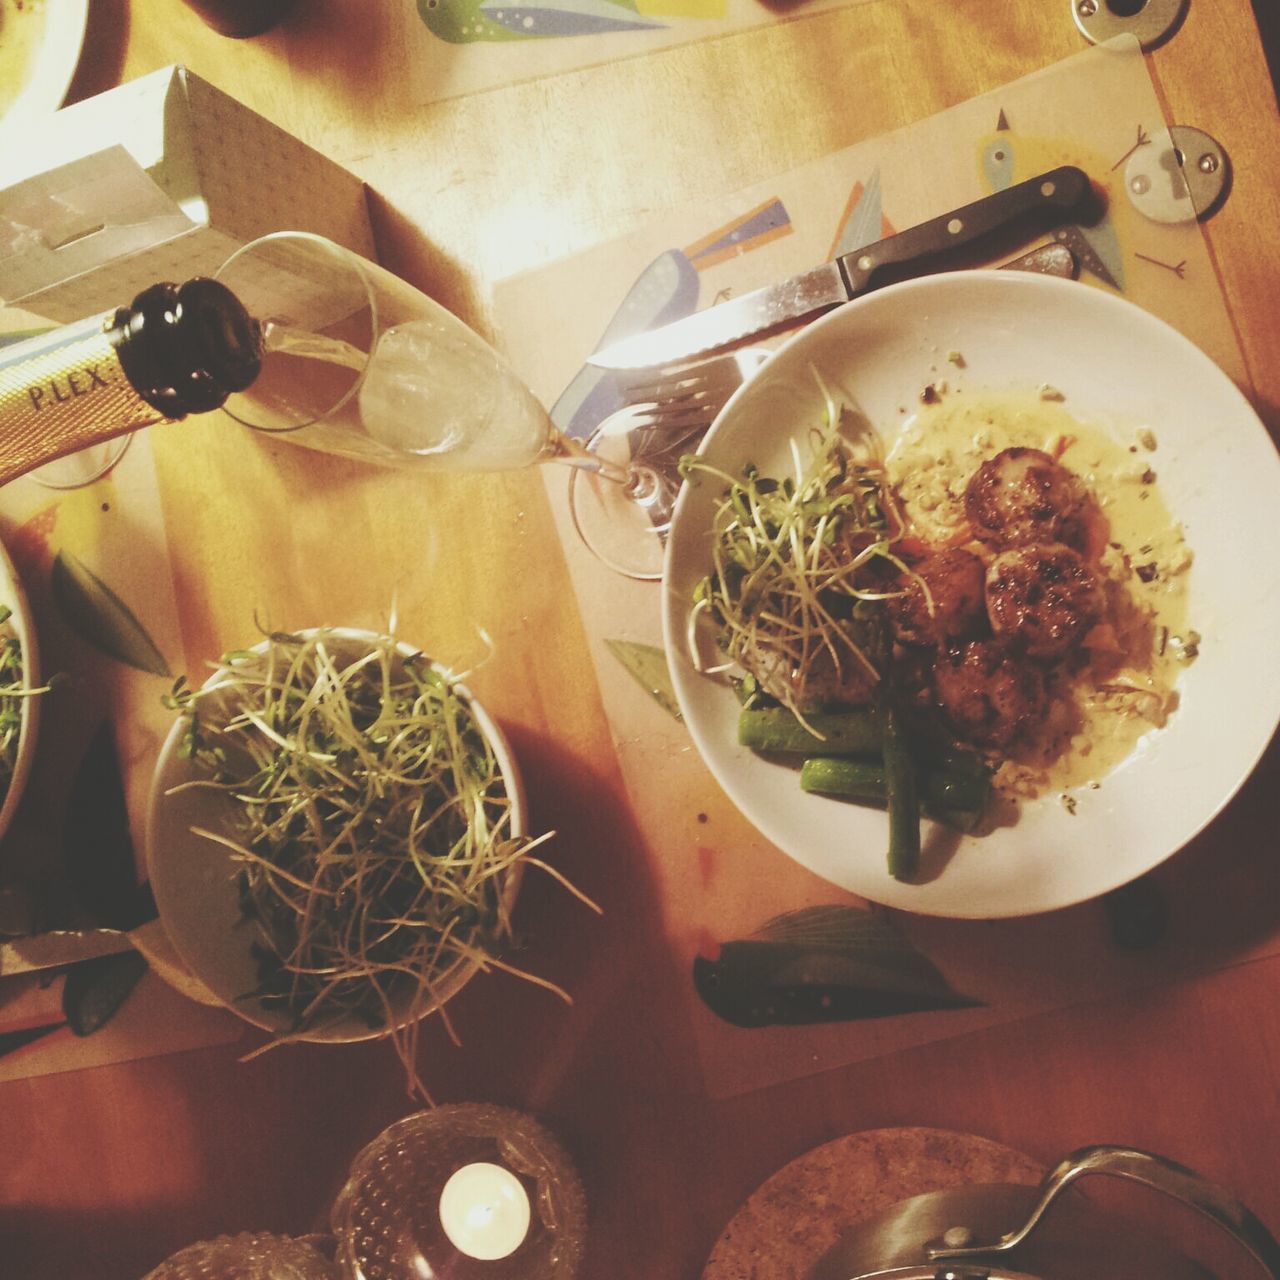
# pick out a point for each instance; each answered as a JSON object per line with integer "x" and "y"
{"x": 14, "y": 692}
{"x": 797, "y": 562}
{"x": 372, "y": 829}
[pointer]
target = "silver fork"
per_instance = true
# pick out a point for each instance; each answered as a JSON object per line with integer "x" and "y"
{"x": 667, "y": 412}
{"x": 687, "y": 397}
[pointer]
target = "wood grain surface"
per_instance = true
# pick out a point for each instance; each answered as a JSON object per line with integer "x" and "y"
{"x": 105, "y": 1172}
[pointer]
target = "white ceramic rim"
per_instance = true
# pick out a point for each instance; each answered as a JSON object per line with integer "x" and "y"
{"x": 54, "y": 66}
{"x": 167, "y": 893}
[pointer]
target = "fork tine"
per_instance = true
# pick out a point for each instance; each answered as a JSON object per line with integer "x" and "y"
{"x": 662, "y": 399}
{"x": 672, "y": 418}
{"x": 678, "y": 399}
{"x": 688, "y": 397}
{"x": 686, "y": 389}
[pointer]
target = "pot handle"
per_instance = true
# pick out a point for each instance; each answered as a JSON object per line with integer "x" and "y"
{"x": 1152, "y": 1171}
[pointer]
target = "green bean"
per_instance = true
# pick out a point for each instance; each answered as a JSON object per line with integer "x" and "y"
{"x": 902, "y": 791}
{"x": 955, "y": 798}
{"x": 776, "y": 731}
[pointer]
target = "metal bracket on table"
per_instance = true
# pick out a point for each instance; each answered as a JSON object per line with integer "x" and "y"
{"x": 1150, "y": 21}
{"x": 1181, "y": 175}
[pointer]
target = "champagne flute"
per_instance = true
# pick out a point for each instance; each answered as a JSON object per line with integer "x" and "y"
{"x": 359, "y": 363}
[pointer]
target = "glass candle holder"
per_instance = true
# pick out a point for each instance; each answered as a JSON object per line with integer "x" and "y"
{"x": 461, "y": 1192}
{"x": 249, "y": 1256}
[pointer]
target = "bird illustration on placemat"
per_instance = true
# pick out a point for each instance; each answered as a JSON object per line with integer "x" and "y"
{"x": 471, "y": 21}
{"x": 1008, "y": 157}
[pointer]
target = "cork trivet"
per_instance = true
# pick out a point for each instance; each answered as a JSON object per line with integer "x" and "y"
{"x": 799, "y": 1213}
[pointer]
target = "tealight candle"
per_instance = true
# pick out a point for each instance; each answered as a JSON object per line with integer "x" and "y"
{"x": 484, "y": 1210}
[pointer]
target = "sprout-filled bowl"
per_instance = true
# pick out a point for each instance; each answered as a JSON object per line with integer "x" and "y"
{"x": 335, "y": 835}
{"x": 19, "y": 687}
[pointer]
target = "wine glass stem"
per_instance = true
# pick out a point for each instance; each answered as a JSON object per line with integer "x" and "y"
{"x": 574, "y": 453}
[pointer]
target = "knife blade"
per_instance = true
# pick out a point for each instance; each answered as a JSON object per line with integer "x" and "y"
{"x": 1062, "y": 195}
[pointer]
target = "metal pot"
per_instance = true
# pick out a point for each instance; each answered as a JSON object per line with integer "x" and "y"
{"x": 1008, "y": 1232}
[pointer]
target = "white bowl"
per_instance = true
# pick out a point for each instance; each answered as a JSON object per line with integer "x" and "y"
{"x": 13, "y": 595}
{"x": 194, "y": 879}
{"x": 1219, "y": 475}
{"x": 44, "y": 81}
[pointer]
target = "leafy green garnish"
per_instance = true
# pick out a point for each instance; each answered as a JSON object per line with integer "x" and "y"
{"x": 793, "y": 587}
{"x": 372, "y": 827}
{"x": 14, "y": 692}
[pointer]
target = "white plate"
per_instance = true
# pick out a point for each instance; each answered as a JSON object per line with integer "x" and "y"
{"x": 48, "y": 76}
{"x": 12, "y": 594}
{"x": 193, "y": 879}
{"x": 1220, "y": 476}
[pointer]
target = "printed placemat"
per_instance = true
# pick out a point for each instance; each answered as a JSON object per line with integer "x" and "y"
{"x": 80, "y": 951}
{"x": 723, "y": 883}
{"x": 459, "y": 47}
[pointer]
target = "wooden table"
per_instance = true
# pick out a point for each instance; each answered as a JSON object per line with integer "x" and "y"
{"x": 104, "y": 1172}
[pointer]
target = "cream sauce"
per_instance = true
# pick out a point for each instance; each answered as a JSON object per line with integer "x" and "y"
{"x": 1127, "y": 689}
{"x": 22, "y": 24}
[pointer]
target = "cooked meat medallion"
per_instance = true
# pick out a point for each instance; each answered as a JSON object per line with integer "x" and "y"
{"x": 1043, "y": 599}
{"x": 943, "y": 601}
{"x": 992, "y": 697}
{"x": 1001, "y": 617}
{"x": 1075, "y": 649}
{"x": 1022, "y": 496}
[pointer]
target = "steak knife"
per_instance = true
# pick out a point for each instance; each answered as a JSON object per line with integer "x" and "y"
{"x": 1058, "y": 196}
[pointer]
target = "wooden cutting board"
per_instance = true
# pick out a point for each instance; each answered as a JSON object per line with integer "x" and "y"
{"x": 791, "y": 1220}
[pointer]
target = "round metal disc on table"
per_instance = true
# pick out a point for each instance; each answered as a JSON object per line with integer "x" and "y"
{"x": 800, "y": 1212}
{"x": 1182, "y": 176}
{"x": 1148, "y": 21}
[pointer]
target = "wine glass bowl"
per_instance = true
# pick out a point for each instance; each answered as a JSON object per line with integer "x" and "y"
{"x": 667, "y": 413}
{"x": 359, "y": 363}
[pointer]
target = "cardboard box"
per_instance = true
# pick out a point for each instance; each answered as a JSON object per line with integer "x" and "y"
{"x": 161, "y": 178}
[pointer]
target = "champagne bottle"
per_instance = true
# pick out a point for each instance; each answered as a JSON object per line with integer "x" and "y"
{"x": 175, "y": 350}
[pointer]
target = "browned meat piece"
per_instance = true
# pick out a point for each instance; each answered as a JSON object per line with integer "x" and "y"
{"x": 954, "y": 579}
{"x": 1023, "y": 496}
{"x": 826, "y": 677}
{"x": 1042, "y": 599}
{"x": 992, "y": 697}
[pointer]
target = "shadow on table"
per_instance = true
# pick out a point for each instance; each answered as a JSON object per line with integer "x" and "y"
{"x": 405, "y": 248}
{"x": 617, "y": 965}
{"x": 1224, "y": 888}
{"x": 106, "y": 35}
{"x": 111, "y": 1245}
{"x": 1267, "y": 15}
{"x": 1216, "y": 903}
{"x": 615, "y": 1073}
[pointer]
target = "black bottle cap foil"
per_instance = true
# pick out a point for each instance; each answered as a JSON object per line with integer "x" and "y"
{"x": 187, "y": 347}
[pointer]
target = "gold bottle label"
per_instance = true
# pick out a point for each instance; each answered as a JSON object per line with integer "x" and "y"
{"x": 63, "y": 391}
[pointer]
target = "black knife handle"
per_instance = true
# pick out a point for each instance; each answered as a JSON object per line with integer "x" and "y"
{"x": 1057, "y": 196}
